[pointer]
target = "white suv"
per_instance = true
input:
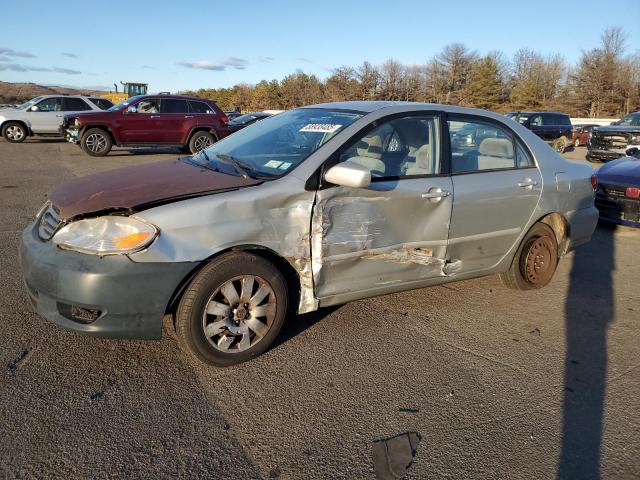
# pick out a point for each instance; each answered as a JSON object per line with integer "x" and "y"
{"x": 43, "y": 115}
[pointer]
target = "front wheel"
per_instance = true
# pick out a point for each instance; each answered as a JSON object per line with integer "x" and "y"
{"x": 232, "y": 310}
{"x": 535, "y": 261}
{"x": 96, "y": 142}
{"x": 201, "y": 140}
{"x": 14, "y": 132}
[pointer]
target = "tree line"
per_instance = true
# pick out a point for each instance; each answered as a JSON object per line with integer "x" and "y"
{"x": 605, "y": 82}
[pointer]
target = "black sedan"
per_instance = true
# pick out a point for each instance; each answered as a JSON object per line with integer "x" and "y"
{"x": 618, "y": 193}
{"x": 247, "y": 119}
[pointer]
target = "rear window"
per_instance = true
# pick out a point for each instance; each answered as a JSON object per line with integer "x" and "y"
{"x": 74, "y": 105}
{"x": 199, "y": 107}
{"x": 563, "y": 119}
{"x": 102, "y": 103}
{"x": 174, "y": 105}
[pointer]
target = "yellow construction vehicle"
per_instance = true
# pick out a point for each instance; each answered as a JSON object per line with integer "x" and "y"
{"x": 129, "y": 89}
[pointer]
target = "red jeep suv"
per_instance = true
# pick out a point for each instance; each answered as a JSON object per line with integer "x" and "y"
{"x": 148, "y": 121}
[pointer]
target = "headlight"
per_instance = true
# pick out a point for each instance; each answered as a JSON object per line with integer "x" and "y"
{"x": 635, "y": 139}
{"x": 106, "y": 235}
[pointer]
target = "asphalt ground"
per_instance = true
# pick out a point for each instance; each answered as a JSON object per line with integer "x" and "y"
{"x": 499, "y": 384}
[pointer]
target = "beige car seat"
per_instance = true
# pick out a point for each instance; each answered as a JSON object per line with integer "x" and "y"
{"x": 369, "y": 153}
{"x": 495, "y": 153}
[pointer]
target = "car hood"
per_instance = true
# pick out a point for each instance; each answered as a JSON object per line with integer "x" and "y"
{"x": 6, "y": 110}
{"x": 89, "y": 114}
{"x": 131, "y": 188}
{"x": 623, "y": 171}
{"x": 617, "y": 129}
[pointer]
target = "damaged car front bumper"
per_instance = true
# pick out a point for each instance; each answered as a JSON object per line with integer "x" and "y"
{"x": 109, "y": 296}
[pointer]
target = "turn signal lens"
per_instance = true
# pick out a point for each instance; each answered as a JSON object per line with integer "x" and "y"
{"x": 594, "y": 181}
{"x": 633, "y": 192}
{"x": 131, "y": 241}
{"x": 224, "y": 119}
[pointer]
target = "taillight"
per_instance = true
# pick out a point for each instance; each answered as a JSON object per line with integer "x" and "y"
{"x": 633, "y": 192}
{"x": 594, "y": 181}
{"x": 224, "y": 119}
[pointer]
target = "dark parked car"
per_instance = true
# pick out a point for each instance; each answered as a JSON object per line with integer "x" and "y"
{"x": 610, "y": 142}
{"x": 582, "y": 134}
{"x": 242, "y": 121}
{"x": 553, "y": 127}
{"x": 618, "y": 193}
{"x": 149, "y": 121}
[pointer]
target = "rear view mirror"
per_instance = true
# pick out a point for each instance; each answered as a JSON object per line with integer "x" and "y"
{"x": 349, "y": 174}
{"x": 132, "y": 109}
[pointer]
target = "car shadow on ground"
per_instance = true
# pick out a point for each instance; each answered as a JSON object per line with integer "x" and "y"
{"x": 589, "y": 311}
{"x": 296, "y": 324}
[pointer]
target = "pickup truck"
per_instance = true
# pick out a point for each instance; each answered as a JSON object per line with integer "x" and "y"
{"x": 611, "y": 141}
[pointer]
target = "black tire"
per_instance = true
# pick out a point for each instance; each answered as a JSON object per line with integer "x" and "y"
{"x": 14, "y": 132}
{"x": 96, "y": 142}
{"x": 207, "y": 286}
{"x": 201, "y": 140}
{"x": 560, "y": 145}
{"x": 536, "y": 260}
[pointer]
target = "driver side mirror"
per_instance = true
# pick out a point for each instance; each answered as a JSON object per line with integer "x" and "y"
{"x": 33, "y": 108}
{"x": 132, "y": 109}
{"x": 349, "y": 174}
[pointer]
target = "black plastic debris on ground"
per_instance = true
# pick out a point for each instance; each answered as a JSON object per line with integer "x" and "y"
{"x": 393, "y": 456}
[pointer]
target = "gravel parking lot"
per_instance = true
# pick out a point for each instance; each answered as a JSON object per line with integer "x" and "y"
{"x": 499, "y": 384}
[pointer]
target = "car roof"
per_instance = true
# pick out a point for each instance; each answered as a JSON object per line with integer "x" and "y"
{"x": 541, "y": 111}
{"x": 178, "y": 97}
{"x": 65, "y": 95}
{"x": 369, "y": 106}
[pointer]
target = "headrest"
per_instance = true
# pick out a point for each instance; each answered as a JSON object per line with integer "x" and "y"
{"x": 496, "y": 147}
{"x": 370, "y": 146}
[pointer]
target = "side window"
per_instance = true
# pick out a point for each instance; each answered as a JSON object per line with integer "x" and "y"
{"x": 199, "y": 107}
{"x": 74, "y": 105}
{"x": 102, "y": 103}
{"x": 536, "y": 120}
{"x": 173, "y": 105}
{"x": 403, "y": 147}
{"x": 478, "y": 145}
{"x": 148, "y": 106}
{"x": 523, "y": 159}
{"x": 53, "y": 104}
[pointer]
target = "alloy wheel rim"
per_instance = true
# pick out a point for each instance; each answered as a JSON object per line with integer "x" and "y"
{"x": 202, "y": 142}
{"x": 15, "y": 132}
{"x": 96, "y": 142}
{"x": 239, "y": 314}
{"x": 539, "y": 263}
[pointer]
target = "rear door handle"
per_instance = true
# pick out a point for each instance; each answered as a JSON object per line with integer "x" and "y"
{"x": 154, "y": 116}
{"x": 435, "y": 194}
{"x": 527, "y": 183}
{"x": 59, "y": 115}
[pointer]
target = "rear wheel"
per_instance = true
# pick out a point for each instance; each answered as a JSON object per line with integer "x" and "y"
{"x": 535, "y": 261}
{"x": 560, "y": 145}
{"x": 96, "y": 142}
{"x": 14, "y": 132}
{"x": 232, "y": 310}
{"x": 201, "y": 140}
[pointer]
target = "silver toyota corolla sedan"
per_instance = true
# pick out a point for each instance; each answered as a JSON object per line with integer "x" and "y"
{"x": 313, "y": 207}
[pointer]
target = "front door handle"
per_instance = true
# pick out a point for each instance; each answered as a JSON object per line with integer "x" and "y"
{"x": 188, "y": 116}
{"x": 60, "y": 115}
{"x": 527, "y": 183}
{"x": 154, "y": 116}
{"x": 435, "y": 194}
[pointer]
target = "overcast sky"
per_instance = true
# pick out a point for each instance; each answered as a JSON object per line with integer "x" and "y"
{"x": 189, "y": 44}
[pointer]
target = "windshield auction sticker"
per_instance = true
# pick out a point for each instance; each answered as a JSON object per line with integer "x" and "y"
{"x": 320, "y": 127}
